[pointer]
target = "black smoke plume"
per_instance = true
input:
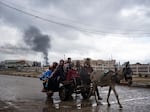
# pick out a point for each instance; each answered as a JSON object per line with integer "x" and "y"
{"x": 37, "y": 41}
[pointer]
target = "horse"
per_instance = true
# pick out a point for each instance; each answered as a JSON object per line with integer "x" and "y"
{"x": 111, "y": 78}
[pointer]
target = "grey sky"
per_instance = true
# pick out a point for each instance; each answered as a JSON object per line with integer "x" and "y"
{"x": 119, "y": 29}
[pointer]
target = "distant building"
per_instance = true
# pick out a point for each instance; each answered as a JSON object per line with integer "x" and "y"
{"x": 143, "y": 69}
{"x": 103, "y": 64}
{"x": 2, "y": 66}
{"x": 20, "y": 63}
{"x": 100, "y": 64}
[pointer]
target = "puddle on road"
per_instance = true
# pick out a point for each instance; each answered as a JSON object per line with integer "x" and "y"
{"x": 75, "y": 103}
{"x": 7, "y": 107}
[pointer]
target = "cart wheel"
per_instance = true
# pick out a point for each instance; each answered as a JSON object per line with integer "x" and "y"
{"x": 85, "y": 93}
{"x": 63, "y": 93}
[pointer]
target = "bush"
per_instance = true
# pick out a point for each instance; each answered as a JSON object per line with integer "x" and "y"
{"x": 140, "y": 75}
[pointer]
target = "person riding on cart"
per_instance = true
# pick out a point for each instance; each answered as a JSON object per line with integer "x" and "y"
{"x": 56, "y": 76}
{"x": 44, "y": 77}
{"x": 72, "y": 73}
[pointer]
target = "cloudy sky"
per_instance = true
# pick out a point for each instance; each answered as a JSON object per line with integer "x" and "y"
{"x": 54, "y": 29}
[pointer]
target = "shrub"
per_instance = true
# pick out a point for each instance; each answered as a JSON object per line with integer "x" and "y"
{"x": 140, "y": 75}
{"x": 146, "y": 76}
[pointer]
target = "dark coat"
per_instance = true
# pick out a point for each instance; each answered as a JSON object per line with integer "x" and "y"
{"x": 53, "y": 82}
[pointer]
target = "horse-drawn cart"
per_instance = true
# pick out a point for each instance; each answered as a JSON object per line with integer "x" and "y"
{"x": 75, "y": 82}
{"x": 67, "y": 88}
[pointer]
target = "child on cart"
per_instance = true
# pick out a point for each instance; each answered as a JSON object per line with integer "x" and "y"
{"x": 44, "y": 77}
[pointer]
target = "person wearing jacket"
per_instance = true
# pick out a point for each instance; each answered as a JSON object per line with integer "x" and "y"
{"x": 56, "y": 76}
{"x": 44, "y": 77}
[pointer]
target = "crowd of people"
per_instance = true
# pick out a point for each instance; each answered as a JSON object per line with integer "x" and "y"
{"x": 63, "y": 71}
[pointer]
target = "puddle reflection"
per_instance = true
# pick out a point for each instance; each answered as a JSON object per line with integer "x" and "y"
{"x": 75, "y": 103}
{"x": 78, "y": 101}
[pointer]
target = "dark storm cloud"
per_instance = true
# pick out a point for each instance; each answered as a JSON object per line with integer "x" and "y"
{"x": 22, "y": 21}
{"x": 13, "y": 17}
{"x": 44, "y": 3}
{"x": 37, "y": 41}
{"x": 97, "y": 15}
{"x": 102, "y": 16}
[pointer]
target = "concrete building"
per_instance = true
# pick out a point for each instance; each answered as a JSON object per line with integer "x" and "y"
{"x": 100, "y": 64}
{"x": 103, "y": 64}
{"x": 141, "y": 69}
{"x": 20, "y": 63}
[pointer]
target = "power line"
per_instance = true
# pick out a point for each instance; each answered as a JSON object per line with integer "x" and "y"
{"x": 79, "y": 23}
{"x": 65, "y": 24}
{"x": 56, "y": 17}
{"x": 47, "y": 20}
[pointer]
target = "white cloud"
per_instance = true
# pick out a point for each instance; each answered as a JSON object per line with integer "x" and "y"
{"x": 97, "y": 47}
{"x": 9, "y": 34}
{"x": 136, "y": 12}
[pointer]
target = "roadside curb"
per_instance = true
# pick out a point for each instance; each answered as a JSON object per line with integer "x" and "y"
{"x": 140, "y": 85}
{"x": 135, "y": 84}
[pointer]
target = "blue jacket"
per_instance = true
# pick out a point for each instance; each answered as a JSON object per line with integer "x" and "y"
{"x": 45, "y": 75}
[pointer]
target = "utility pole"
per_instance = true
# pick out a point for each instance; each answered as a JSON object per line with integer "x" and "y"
{"x": 64, "y": 57}
{"x": 148, "y": 68}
